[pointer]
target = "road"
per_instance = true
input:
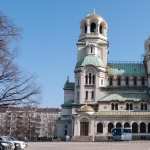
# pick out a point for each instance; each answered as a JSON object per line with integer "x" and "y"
{"x": 134, "y": 145}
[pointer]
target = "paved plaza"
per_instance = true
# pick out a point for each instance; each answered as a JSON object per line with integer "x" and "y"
{"x": 134, "y": 145}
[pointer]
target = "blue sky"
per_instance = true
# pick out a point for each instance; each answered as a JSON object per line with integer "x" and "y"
{"x": 50, "y": 30}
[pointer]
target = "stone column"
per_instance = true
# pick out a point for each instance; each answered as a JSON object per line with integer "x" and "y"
{"x": 76, "y": 127}
{"x": 88, "y": 27}
{"x": 92, "y": 129}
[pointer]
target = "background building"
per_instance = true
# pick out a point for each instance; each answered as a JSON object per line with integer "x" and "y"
{"x": 32, "y": 123}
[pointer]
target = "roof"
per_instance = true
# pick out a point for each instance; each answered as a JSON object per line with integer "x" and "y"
{"x": 90, "y": 60}
{"x": 125, "y": 96}
{"x": 69, "y": 85}
{"x": 127, "y": 69}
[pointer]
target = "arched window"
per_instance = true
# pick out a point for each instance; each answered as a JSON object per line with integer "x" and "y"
{"x": 143, "y": 81}
{"x": 85, "y": 28}
{"x": 127, "y": 106}
{"x": 91, "y": 49}
{"x": 127, "y": 81}
{"x": 116, "y": 106}
{"x": 142, "y": 127}
{"x": 131, "y": 106}
{"x": 148, "y": 127}
{"x": 101, "y": 29}
{"x": 119, "y": 80}
{"x": 99, "y": 128}
{"x": 142, "y": 106}
{"x": 134, "y": 127}
{"x": 92, "y": 95}
{"x": 86, "y": 79}
{"x": 118, "y": 125}
{"x": 86, "y": 94}
{"x": 110, "y": 127}
{"x": 126, "y": 125}
{"x": 93, "y": 27}
{"x": 112, "y": 106}
{"x": 145, "y": 106}
{"x": 135, "y": 81}
{"x": 93, "y": 78}
{"x": 110, "y": 81}
{"x": 90, "y": 78}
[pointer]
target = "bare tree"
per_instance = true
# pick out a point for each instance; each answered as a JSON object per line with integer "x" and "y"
{"x": 14, "y": 87}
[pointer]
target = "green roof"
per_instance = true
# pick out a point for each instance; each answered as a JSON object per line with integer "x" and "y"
{"x": 69, "y": 85}
{"x": 126, "y": 96}
{"x": 90, "y": 60}
{"x": 127, "y": 69}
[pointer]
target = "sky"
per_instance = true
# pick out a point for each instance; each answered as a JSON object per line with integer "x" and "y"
{"x": 51, "y": 28}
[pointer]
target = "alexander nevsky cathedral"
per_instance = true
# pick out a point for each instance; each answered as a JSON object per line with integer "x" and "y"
{"x": 104, "y": 95}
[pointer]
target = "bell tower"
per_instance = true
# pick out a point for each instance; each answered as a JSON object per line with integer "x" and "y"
{"x": 92, "y": 54}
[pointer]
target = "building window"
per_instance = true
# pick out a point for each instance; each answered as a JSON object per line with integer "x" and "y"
{"x": 119, "y": 81}
{"x": 92, "y": 95}
{"x": 142, "y": 127}
{"x": 112, "y": 106}
{"x": 134, "y": 127}
{"x": 143, "y": 81}
{"x": 131, "y": 106}
{"x": 110, "y": 81}
{"x": 135, "y": 81}
{"x": 78, "y": 95}
{"x": 99, "y": 128}
{"x": 101, "y": 29}
{"x": 127, "y": 106}
{"x": 89, "y": 78}
{"x": 110, "y": 127}
{"x": 143, "y": 106}
{"x": 85, "y": 28}
{"x": 86, "y": 95}
{"x": 86, "y": 79}
{"x": 116, "y": 106}
{"x": 91, "y": 50}
{"x": 93, "y": 27}
{"x": 93, "y": 79}
{"x": 127, "y": 81}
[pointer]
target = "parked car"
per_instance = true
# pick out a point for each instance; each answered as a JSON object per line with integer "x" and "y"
{"x": 19, "y": 145}
{"x": 5, "y": 145}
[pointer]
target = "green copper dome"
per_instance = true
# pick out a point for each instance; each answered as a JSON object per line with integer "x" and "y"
{"x": 90, "y": 60}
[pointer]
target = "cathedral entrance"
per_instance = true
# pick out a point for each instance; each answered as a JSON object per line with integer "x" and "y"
{"x": 84, "y": 128}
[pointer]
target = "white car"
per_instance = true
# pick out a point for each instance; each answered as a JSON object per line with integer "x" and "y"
{"x": 18, "y": 144}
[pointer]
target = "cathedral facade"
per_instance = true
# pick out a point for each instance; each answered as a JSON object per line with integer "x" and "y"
{"x": 104, "y": 95}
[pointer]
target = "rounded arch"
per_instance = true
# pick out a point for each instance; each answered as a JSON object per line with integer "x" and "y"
{"x": 102, "y": 28}
{"x": 100, "y": 127}
{"x": 127, "y": 106}
{"x": 110, "y": 127}
{"x": 134, "y": 127}
{"x": 112, "y": 106}
{"x": 126, "y": 125}
{"x": 93, "y": 27}
{"x": 142, "y": 127}
{"x": 118, "y": 125}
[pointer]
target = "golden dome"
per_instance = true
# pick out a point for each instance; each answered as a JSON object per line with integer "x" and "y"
{"x": 86, "y": 108}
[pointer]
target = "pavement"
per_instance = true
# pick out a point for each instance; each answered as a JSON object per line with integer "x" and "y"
{"x": 131, "y": 145}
